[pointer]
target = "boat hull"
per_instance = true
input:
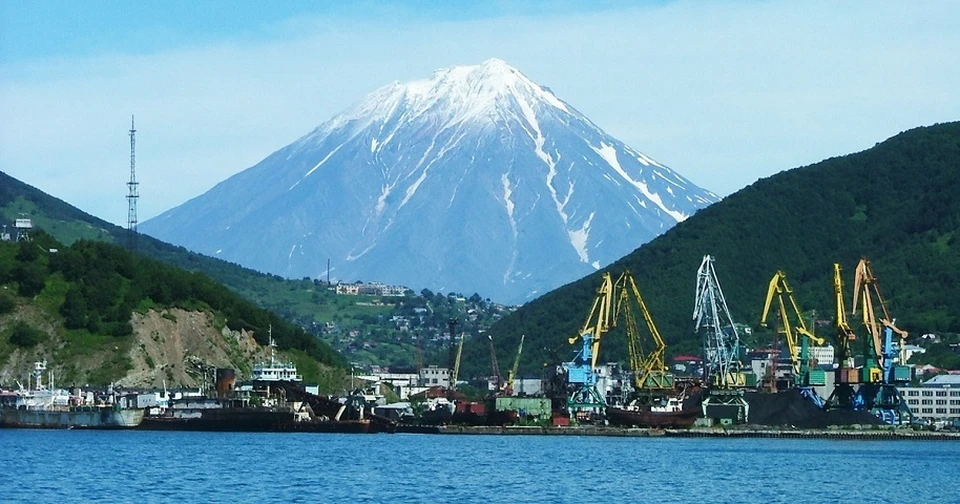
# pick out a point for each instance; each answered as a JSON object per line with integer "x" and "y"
{"x": 71, "y": 418}
{"x": 647, "y": 418}
{"x": 221, "y": 419}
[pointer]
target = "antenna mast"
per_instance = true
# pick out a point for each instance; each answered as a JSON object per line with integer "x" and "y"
{"x": 132, "y": 193}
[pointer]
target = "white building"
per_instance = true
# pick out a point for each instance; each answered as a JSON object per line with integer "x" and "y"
{"x": 823, "y": 355}
{"x": 937, "y": 400}
{"x": 433, "y": 376}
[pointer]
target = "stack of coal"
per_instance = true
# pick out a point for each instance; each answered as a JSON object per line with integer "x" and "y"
{"x": 789, "y": 408}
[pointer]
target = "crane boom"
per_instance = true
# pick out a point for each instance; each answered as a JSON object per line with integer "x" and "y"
{"x": 495, "y": 364}
{"x": 649, "y": 369}
{"x": 721, "y": 342}
{"x": 512, "y": 374}
{"x": 866, "y": 287}
{"x": 780, "y": 289}
{"x": 456, "y": 365}
{"x": 600, "y": 319}
{"x": 844, "y": 333}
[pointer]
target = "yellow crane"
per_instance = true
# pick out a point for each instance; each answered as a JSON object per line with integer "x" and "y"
{"x": 456, "y": 365}
{"x": 599, "y": 320}
{"x": 845, "y": 335}
{"x": 584, "y": 400}
{"x": 843, "y": 393}
{"x": 797, "y": 334}
{"x": 512, "y": 374}
{"x": 649, "y": 370}
{"x": 877, "y": 391}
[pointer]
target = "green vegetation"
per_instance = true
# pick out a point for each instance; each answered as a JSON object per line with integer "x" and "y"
{"x": 7, "y": 303}
{"x": 940, "y": 355}
{"x": 364, "y": 328}
{"x": 25, "y": 336}
{"x": 895, "y": 204}
{"x": 96, "y": 286}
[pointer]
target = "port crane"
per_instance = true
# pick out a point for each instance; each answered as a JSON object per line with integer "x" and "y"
{"x": 881, "y": 327}
{"x": 714, "y": 325}
{"x": 880, "y": 375}
{"x": 651, "y": 380}
{"x": 722, "y": 371}
{"x": 512, "y": 374}
{"x": 584, "y": 401}
{"x": 419, "y": 357}
{"x": 844, "y": 395}
{"x": 797, "y": 335}
{"x": 456, "y": 365}
{"x": 496, "y": 366}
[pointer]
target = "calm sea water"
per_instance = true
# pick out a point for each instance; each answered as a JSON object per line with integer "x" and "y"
{"x": 104, "y": 466}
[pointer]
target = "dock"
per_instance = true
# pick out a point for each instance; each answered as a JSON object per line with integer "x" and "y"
{"x": 697, "y": 432}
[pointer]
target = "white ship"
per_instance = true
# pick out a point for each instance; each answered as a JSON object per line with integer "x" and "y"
{"x": 275, "y": 370}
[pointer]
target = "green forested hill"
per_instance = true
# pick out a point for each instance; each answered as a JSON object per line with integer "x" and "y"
{"x": 91, "y": 290}
{"x": 364, "y": 328}
{"x": 896, "y": 204}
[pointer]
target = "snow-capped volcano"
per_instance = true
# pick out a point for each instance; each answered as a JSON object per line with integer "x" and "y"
{"x": 474, "y": 180}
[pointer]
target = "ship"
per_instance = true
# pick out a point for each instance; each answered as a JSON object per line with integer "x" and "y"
{"x": 206, "y": 414}
{"x": 671, "y": 415}
{"x": 274, "y": 401}
{"x": 42, "y": 407}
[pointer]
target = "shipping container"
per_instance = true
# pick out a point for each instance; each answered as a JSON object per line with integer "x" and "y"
{"x": 817, "y": 377}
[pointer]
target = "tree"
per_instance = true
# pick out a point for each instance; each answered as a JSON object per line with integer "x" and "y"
{"x": 30, "y": 279}
{"x": 25, "y": 336}
{"x": 74, "y": 309}
{"x": 7, "y": 303}
{"x": 27, "y": 251}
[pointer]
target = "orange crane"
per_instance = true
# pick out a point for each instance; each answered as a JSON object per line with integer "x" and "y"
{"x": 877, "y": 391}
{"x": 866, "y": 287}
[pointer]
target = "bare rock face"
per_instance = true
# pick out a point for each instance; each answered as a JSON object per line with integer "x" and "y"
{"x": 476, "y": 179}
{"x": 172, "y": 347}
{"x": 179, "y": 347}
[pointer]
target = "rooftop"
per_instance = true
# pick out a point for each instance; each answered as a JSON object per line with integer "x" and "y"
{"x": 945, "y": 380}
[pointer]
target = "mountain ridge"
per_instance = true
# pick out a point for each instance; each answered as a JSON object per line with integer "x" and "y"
{"x": 475, "y": 180}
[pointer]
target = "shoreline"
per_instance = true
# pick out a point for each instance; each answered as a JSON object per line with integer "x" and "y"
{"x": 696, "y": 432}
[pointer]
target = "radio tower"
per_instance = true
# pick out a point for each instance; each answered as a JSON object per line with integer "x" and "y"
{"x": 132, "y": 194}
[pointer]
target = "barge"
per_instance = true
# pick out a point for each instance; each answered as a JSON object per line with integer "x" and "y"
{"x": 40, "y": 407}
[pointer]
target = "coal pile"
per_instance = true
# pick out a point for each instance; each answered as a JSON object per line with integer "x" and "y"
{"x": 789, "y": 408}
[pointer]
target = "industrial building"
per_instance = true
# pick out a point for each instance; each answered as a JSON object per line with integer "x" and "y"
{"x": 936, "y": 400}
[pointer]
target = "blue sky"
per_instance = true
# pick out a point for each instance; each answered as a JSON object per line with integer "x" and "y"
{"x": 724, "y": 92}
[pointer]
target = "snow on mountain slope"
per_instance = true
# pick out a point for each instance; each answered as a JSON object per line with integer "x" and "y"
{"x": 474, "y": 180}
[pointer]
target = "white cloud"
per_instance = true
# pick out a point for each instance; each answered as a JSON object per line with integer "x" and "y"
{"x": 723, "y": 92}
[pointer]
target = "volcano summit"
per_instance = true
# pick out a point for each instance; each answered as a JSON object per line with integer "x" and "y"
{"x": 474, "y": 180}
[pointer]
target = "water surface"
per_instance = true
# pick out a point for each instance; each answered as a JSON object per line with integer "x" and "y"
{"x": 148, "y": 466}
